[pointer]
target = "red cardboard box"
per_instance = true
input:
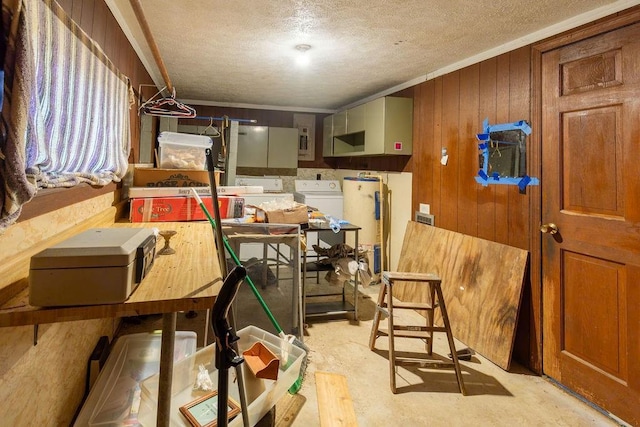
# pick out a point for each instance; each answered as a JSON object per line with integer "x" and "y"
{"x": 162, "y": 209}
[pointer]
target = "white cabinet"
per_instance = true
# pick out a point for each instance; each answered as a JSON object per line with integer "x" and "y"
{"x": 383, "y": 126}
{"x": 340, "y": 123}
{"x": 356, "y": 119}
{"x": 267, "y": 147}
{"x": 253, "y": 146}
{"x": 389, "y": 127}
{"x": 283, "y": 148}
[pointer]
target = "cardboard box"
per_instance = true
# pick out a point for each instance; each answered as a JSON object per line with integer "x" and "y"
{"x": 154, "y": 177}
{"x": 295, "y": 215}
{"x": 163, "y": 209}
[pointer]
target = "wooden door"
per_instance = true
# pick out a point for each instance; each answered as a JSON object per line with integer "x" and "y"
{"x": 591, "y": 192}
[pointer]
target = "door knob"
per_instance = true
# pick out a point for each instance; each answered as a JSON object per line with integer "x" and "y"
{"x": 549, "y": 228}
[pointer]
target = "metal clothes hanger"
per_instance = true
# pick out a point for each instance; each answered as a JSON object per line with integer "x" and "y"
{"x": 167, "y": 106}
{"x": 216, "y": 132}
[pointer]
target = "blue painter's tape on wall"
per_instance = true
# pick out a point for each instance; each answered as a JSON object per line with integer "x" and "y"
{"x": 485, "y": 181}
{"x": 522, "y": 125}
{"x": 524, "y": 182}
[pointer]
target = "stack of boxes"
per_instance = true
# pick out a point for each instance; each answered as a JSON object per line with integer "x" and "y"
{"x": 164, "y": 194}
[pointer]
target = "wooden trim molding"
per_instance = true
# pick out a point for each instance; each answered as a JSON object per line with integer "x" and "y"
{"x": 613, "y": 22}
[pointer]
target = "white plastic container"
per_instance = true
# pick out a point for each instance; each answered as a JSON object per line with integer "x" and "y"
{"x": 114, "y": 399}
{"x": 262, "y": 394}
{"x": 183, "y": 150}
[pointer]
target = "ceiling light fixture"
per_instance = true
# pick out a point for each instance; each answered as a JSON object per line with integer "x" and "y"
{"x": 303, "y": 57}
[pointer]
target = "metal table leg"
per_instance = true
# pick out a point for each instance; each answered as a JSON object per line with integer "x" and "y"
{"x": 356, "y": 279}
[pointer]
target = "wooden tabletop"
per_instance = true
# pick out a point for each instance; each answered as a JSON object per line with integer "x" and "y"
{"x": 324, "y": 226}
{"x": 190, "y": 279}
{"x": 237, "y": 234}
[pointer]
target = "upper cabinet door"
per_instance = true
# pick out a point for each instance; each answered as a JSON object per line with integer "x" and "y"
{"x": 356, "y": 119}
{"x": 283, "y": 148}
{"x": 340, "y": 123}
{"x": 253, "y": 145}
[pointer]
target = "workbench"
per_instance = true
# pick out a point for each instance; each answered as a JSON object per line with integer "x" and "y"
{"x": 188, "y": 280}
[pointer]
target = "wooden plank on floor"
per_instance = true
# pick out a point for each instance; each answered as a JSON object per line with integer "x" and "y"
{"x": 481, "y": 283}
{"x": 334, "y": 401}
{"x": 288, "y": 408}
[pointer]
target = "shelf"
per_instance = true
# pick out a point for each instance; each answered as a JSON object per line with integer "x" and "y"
{"x": 316, "y": 309}
{"x": 328, "y": 308}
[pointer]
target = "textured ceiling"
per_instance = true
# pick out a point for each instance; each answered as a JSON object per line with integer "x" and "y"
{"x": 243, "y": 52}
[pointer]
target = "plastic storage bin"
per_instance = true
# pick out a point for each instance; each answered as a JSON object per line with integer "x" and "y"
{"x": 183, "y": 150}
{"x": 262, "y": 394}
{"x": 114, "y": 399}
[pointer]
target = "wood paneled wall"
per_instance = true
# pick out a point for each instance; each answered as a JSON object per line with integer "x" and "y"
{"x": 448, "y": 113}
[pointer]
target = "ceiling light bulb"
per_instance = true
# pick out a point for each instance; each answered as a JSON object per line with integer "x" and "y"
{"x": 302, "y": 59}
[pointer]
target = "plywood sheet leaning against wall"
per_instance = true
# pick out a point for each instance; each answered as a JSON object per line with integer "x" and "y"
{"x": 43, "y": 384}
{"x": 481, "y": 282}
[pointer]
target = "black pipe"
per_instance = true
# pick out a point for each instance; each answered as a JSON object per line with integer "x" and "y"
{"x": 226, "y": 354}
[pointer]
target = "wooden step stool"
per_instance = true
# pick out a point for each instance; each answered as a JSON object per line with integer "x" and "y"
{"x": 387, "y": 305}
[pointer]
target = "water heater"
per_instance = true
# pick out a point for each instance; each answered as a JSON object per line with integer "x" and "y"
{"x": 362, "y": 207}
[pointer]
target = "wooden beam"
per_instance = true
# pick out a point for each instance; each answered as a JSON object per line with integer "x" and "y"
{"x": 144, "y": 25}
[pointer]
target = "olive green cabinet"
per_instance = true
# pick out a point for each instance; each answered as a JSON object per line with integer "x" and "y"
{"x": 383, "y": 126}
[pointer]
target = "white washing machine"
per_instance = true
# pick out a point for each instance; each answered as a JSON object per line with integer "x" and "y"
{"x": 326, "y": 196}
{"x": 272, "y": 190}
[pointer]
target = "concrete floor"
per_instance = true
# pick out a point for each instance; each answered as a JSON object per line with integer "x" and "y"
{"x": 425, "y": 397}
